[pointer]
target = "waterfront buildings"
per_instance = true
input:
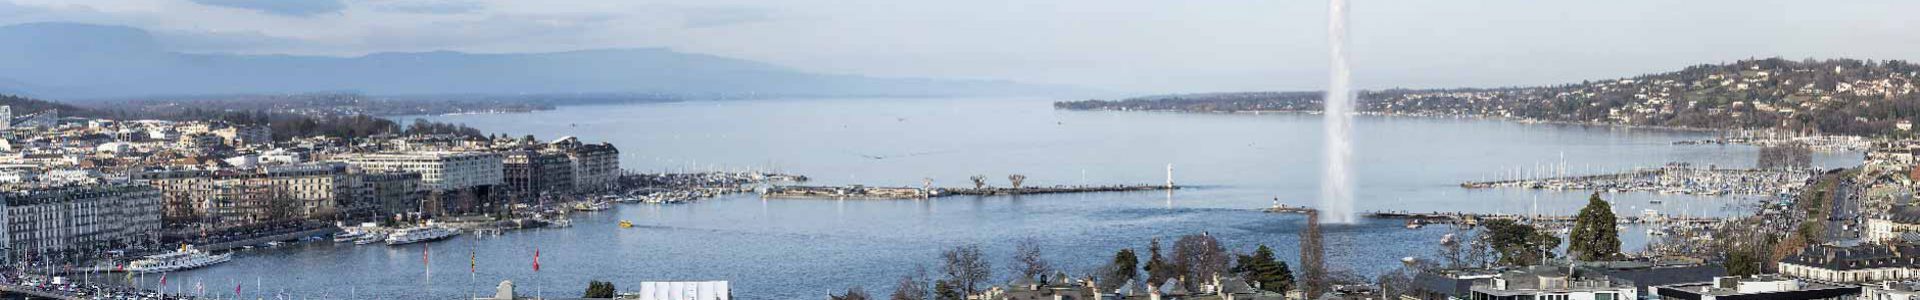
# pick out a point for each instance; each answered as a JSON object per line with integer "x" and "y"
{"x": 455, "y": 182}
{"x": 267, "y": 194}
{"x": 596, "y": 167}
{"x": 1766, "y": 287}
{"x": 44, "y": 220}
{"x": 676, "y": 290}
{"x": 1894, "y": 225}
{"x": 531, "y": 173}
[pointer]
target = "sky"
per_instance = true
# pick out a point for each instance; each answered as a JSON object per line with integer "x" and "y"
{"x": 1129, "y": 46}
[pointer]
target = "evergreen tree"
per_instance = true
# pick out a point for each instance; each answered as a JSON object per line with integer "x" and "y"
{"x": 1125, "y": 266}
{"x": 1262, "y": 268}
{"x": 1595, "y": 235}
{"x": 1158, "y": 268}
{"x": 599, "y": 289}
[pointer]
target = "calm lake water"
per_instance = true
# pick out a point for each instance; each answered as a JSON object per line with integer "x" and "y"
{"x": 804, "y": 249}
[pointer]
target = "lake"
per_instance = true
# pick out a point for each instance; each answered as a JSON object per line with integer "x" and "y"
{"x": 804, "y": 249}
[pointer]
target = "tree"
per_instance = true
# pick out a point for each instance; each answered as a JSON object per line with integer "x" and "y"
{"x": 1264, "y": 270}
{"x": 1027, "y": 259}
{"x": 979, "y": 181}
{"x": 1124, "y": 267}
{"x": 912, "y": 286}
{"x": 1158, "y": 268}
{"x": 966, "y": 268}
{"x": 599, "y": 289}
{"x": 1595, "y": 235}
{"x": 853, "y": 293}
{"x": 1201, "y": 256}
{"x": 944, "y": 290}
{"x": 1519, "y": 244}
{"x": 1016, "y": 179}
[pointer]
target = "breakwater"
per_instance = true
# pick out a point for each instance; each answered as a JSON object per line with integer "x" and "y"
{"x": 867, "y": 192}
{"x": 1672, "y": 179}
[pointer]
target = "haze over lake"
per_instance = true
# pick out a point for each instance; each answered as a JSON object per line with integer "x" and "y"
{"x": 787, "y": 249}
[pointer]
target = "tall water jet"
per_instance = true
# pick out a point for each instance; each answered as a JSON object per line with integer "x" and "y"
{"x": 1336, "y": 185}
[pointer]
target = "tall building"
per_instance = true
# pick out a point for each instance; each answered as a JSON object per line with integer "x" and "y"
{"x": 596, "y": 167}
{"x": 43, "y": 221}
{"x": 455, "y": 182}
{"x": 531, "y": 173}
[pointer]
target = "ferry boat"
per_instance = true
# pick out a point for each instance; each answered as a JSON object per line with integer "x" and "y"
{"x": 419, "y": 234}
{"x": 184, "y": 259}
{"x": 347, "y": 236}
{"x": 370, "y": 238}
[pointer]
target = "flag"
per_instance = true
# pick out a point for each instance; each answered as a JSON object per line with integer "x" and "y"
{"x": 163, "y": 280}
{"x": 236, "y": 290}
{"x": 426, "y": 254}
{"x": 473, "y": 262}
{"x": 536, "y": 260}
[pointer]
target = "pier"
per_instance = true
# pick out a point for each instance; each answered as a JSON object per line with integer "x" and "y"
{"x": 1467, "y": 218}
{"x": 884, "y": 193}
{"x": 1671, "y": 179}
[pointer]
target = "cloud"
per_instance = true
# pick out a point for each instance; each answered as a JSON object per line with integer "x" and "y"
{"x": 432, "y": 7}
{"x": 293, "y": 8}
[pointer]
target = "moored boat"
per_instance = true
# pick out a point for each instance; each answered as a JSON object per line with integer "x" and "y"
{"x": 420, "y": 234}
{"x": 184, "y": 259}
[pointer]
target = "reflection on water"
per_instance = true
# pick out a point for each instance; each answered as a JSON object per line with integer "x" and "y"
{"x": 787, "y": 249}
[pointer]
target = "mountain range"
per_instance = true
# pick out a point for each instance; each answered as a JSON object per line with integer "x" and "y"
{"x": 82, "y": 61}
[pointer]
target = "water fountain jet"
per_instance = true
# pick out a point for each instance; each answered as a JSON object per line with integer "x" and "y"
{"x": 1336, "y": 185}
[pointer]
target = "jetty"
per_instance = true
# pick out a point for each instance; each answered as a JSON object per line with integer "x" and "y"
{"x": 1671, "y": 179}
{"x": 884, "y": 193}
{"x": 1467, "y": 218}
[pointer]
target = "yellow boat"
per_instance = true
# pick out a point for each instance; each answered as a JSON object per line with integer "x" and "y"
{"x": 625, "y": 224}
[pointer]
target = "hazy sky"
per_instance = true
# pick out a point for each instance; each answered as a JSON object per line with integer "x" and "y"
{"x": 1144, "y": 46}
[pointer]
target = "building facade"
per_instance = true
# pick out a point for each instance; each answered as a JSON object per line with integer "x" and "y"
{"x": 596, "y": 167}
{"x": 1858, "y": 264}
{"x": 45, "y": 221}
{"x": 531, "y": 173}
{"x": 1756, "y": 288}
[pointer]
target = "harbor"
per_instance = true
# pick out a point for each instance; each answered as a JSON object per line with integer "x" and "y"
{"x": 1670, "y": 179}
{"x": 887, "y": 193}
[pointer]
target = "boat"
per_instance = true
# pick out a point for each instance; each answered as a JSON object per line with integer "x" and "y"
{"x": 184, "y": 259}
{"x": 420, "y": 234}
{"x": 625, "y": 224}
{"x": 347, "y": 236}
{"x": 592, "y": 206}
{"x": 1414, "y": 224}
{"x": 370, "y": 238}
{"x": 1655, "y": 201}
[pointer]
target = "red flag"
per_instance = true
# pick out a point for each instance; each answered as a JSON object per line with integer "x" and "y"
{"x": 426, "y": 254}
{"x": 236, "y": 290}
{"x": 536, "y": 260}
{"x": 163, "y": 280}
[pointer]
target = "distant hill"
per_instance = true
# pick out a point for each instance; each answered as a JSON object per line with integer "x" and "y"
{"x": 65, "y": 61}
{"x": 1843, "y": 96}
{"x": 21, "y": 106}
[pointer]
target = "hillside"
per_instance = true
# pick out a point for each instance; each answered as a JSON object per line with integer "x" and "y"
{"x": 1838, "y": 96}
{"x": 67, "y": 61}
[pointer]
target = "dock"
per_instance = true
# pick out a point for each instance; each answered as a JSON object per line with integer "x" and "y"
{"x": 885, "y": 193}
{"x": 1466, "y": 218}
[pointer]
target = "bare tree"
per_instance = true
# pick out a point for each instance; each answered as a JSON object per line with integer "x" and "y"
{"x": 966, "y": 268}
{"x": 913, "y": 286}
{"x": 1017, "y": 179}
{"x": 979, "y": 181}
{"x": 1202, "y": 257}
{"x": 1027, "y": 259}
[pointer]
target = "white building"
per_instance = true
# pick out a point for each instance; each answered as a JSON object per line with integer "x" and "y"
{"x": 681, "y": 290}
{"x": 1554, "y": 283}
{"x": 52, "y": 219}
{"x": 438, "y": 170}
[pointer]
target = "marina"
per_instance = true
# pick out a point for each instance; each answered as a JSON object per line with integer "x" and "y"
{"x": 881, "y": 193}
{"x": 1670, "y": 179}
